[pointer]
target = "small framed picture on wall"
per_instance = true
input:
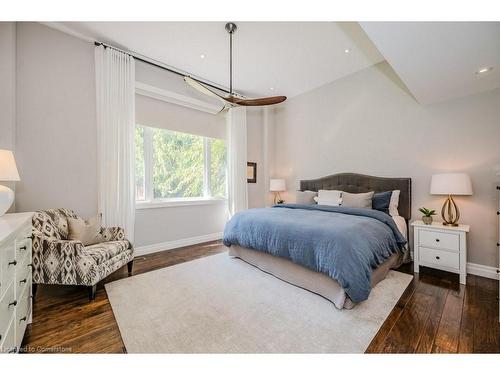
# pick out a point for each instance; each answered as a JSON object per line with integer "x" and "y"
{"x": 251, "y": 172}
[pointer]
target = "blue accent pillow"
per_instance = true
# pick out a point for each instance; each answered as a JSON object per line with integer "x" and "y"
{"x": 381, "y": 201}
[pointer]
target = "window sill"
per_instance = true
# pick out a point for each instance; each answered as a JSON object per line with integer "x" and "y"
{"x": 179, "y": 203}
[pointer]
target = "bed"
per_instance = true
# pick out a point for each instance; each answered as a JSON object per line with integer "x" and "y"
{"x": 354, "y": 264}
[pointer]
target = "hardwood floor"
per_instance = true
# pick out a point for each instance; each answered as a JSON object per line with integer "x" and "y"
{"x": 434, "y": 315}
{"x": 438, "y": 315}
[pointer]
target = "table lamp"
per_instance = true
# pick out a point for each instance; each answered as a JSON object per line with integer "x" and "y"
{"x": 450, "y": 184}
{"x": 8, "y": 172}
{"x": 277, "y": 185}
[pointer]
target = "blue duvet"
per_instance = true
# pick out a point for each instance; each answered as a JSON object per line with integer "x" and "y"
{"x": 343, "y": 243}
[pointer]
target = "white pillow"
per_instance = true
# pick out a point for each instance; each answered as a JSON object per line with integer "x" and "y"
{"x": 329, "y": 197}
{"x": 305, "y": 197}
{"x": 394, "y": 203}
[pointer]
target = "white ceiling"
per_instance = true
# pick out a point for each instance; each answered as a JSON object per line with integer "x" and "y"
{"x": 291, "y": 57}
{"x": 437, "y": 61}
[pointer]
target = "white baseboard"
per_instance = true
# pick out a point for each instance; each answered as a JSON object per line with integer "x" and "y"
{"x": 169, "y": 245}
{"x": 484, "y": 271}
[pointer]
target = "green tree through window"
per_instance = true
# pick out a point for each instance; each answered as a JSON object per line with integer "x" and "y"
{"x": 180, "y": 165}
{"x": 218, "y": 168}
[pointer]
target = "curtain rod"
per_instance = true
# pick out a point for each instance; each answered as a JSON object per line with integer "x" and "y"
{"x": 149, "y": 61}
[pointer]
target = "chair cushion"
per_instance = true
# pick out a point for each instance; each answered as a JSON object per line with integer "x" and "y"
{"x": 87, "y": 232}
{"x": 102, "y": 252}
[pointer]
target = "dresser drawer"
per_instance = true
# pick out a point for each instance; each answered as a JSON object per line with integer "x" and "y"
{"x": 439, "y": 257}
{"x": 23, "y": 247}
{"x": 22, "y": 313}
{"x": 6, "y": 311}
{"x": 7, "y": 265}
{"x": 8, "y": 343}
{"x": 23, "y": 275}
{"x": 439, "y": 240}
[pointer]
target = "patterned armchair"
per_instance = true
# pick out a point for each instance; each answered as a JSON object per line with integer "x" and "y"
{"x": 57, "y": 260}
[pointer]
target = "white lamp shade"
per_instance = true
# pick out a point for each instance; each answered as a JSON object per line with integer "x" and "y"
{"x": 451, "y": 183}
{"x": 8, "y": 169}
{"x": 277, "y": 184}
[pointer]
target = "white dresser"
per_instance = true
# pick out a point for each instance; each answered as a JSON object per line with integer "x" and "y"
{"x": 440, "y": 246}
{"x": 15, "y": 279}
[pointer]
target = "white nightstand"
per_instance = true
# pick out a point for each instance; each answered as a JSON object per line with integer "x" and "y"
{"x": 442, "y": 247}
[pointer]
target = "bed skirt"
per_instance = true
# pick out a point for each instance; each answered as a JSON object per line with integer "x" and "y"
{"x": 305, "y": 278}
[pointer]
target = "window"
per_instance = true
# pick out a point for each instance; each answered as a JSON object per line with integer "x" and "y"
{"x": 174, "y": 166}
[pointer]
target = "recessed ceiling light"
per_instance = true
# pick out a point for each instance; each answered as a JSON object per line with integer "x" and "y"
{"x": 347, "y": 51}
{"x": 202, "y": 56}
{"x": 271, "y": 88}
{"x": 484, "y": 70}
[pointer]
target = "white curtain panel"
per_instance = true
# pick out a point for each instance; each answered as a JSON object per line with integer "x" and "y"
{"x": 115, "y": 86}
{"x": 236, "y": 119}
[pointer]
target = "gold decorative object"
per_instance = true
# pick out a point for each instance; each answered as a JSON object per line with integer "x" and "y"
{"x": 450, "y": 212}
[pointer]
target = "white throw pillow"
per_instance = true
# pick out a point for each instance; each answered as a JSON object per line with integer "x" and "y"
{"x": 87, "y": 232}
{"x": 305, "y": 197}
{"x": 329, "y": 197}
{"x": 394, "y": 203}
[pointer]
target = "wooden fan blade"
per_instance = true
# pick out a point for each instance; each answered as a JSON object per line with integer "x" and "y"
{"x": 256, "y": 102}
{"x": 202, "y": 88}
{"x": 233, "y": 100}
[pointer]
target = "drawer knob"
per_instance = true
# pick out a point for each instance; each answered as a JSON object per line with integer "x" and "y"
{"x": 22, "y": 248}
{"x": 437, "y": 257}
{"x": 13, "y": 304}
{"x": 22, "y": 281}
{"x": 13, "y": 263}
{"x": 22, "y": 319}
{"x": 437, "y": 239}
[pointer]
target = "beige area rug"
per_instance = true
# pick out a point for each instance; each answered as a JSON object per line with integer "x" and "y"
{"x": 219, "y": 304}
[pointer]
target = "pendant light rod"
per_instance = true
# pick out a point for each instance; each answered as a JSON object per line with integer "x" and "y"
{"x": 231, "y": 28}
{"x": 230, "y": 63}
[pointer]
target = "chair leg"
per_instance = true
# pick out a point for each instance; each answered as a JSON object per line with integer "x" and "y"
{"x": 92, "y": 290}
{"x": 34, "y": 289}
{"x": 130, "y": 266}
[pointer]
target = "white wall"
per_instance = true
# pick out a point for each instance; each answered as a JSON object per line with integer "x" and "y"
{"x": 255, "y": 153}
{"x": 8, "y": 90}
{"x": 172, "y": 224}
{"x": 7, "y": 83}
{"x": 56, "y": 133}
{"x": 368, "y": 123}
{"x": 261, "y": 138}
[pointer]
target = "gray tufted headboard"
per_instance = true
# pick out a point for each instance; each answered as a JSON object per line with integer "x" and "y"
{"x": 360, "y": 183}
